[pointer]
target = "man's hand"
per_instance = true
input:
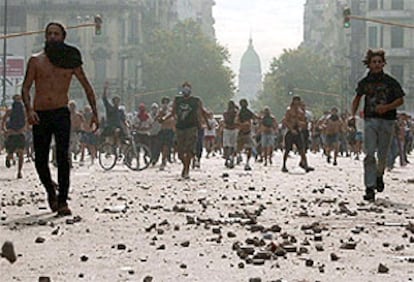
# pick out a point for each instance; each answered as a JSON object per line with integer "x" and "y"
{"x": 381, "y": 109}
{"x": 94, "y": 121}
{"x": 32, "y": 117}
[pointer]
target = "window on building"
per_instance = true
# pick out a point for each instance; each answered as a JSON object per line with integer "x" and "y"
{"x": 100, "y": 70}
{"x": 398, "y": 72}
{"x": 397, "y": 5}
{"x": 372, "y": 37}
{"x": 397, "y": 37}
{"x": 373, "y": 5}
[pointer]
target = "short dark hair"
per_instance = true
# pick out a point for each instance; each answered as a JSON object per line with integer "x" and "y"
{"x": 186, "y": 83}
{"x": 373, "y": 53}
{"x": 58, "y": 25}
{"x": 165, "y": 99}
{"x": 243, "y": 101}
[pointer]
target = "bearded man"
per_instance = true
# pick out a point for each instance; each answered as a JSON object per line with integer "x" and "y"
{"x": 52, "y": 71}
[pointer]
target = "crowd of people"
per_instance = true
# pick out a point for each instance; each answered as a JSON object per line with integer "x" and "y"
{"x": 236, "y": 134}
{"x": 183, "y": 126}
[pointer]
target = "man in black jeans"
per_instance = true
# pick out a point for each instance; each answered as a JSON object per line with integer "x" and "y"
{"x": 52, "y": 71}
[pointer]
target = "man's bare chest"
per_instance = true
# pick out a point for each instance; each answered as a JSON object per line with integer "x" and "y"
{"x": 45, "y": 70}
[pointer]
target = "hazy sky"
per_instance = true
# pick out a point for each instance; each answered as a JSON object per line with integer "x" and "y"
{"x": 274, "y": 24}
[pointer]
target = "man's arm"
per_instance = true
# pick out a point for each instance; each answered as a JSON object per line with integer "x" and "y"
{"x": 27, "y": 84}
{"x": 90, "y": 93}
{"x": 381, "y": 109}
{"x": 3, "y": 122}
{"x": 355, "y": 105}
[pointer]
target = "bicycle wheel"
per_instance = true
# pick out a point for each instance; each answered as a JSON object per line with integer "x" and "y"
{"x": 107, "y": 156}
{"x": 138, "y": 159}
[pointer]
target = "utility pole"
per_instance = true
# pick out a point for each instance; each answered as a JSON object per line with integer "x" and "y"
{"x": 3, "y": 101}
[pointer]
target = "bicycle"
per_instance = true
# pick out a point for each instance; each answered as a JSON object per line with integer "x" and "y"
{"x": 134, "y": 154}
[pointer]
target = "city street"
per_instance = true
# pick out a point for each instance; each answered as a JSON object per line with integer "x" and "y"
{"x": 221, "y": 225}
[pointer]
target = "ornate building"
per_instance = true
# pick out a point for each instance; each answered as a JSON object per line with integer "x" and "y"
{"x": 114, "y": 55}
{"x": 250, "y": 76}
{"x": 200, "y": 11}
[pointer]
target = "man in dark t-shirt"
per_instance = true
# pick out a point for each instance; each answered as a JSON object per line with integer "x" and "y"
{"x": 188, "y": 111}
{"x": 14, "y": 125}
{"x": 383, "y": 95}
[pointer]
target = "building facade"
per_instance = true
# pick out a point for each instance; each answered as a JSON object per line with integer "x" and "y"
{"x": 115, "y": 54}
{"x": 325, "y": 34}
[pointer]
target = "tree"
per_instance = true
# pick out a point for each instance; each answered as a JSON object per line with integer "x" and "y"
{"x": 186, "y": 54}
{"x": 298, "y": 70}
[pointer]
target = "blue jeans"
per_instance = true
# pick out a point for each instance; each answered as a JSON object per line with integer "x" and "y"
{"x": 378, "y": 134}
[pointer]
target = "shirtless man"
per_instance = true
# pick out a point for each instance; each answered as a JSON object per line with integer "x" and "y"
{"x": 268, "y": 128}
{"x": 52, "y": 71}
{"x": 166, "y": 134}
{"x": 244, "y": 138}
{"x": 295, "y": 121}
{"x": 333, "y": 126}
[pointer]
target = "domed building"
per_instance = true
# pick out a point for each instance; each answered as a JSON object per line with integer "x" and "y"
{"x": 250, "y": 76}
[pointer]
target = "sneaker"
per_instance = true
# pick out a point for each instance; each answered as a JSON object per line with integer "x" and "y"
{"x": 247, "y": 167}
{"x": 309, "y": 168}
{"x": 284, "y": 169}
{"x": 19, "y": 175}
{"x": 335, "y": 163}
{"x": 369, "y": 194}
{"x": 306, "y": 168}
{"x": 63, "y": 210}
{"x": 380, "y": 184}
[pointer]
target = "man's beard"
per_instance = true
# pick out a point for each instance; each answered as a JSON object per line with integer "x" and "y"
{"x": 55, "y": 51}
{"x": 62, "y": 55}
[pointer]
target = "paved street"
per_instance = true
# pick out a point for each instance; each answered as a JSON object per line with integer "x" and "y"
{"x": 221, "y": 225}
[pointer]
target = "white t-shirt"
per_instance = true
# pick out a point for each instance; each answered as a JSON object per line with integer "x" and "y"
{"x": 211, "y": 132}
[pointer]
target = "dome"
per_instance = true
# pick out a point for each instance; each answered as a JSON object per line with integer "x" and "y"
{"x": 250, "y": 60}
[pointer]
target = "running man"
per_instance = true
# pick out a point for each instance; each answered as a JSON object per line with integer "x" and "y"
{"x": 245, "y": 138}
{"x": 383, "y": 95}
{"x": 295, "y": 121}
{"x": 189, "y": 113}
{"x": 14, "y": 125}
{"x": 230, "y": 133}
{"x": 268, "y": 129}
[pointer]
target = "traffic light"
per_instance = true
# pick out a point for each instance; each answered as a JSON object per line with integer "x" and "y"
{"x": 347, "y": 19}
{"x": 98, "y": 25}
{"x": 290, "y": 89}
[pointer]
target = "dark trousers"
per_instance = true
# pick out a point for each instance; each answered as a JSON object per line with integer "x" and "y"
{"x": 155, "y": 148}
{"x": 56, "y": 123}
{"x": 200, "y": 139}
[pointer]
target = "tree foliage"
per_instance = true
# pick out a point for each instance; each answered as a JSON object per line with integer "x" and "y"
{"x": 310, "y": 76}
{"x": 186, "y": 54}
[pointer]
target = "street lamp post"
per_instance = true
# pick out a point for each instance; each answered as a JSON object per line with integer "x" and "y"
{"x": 3, "y": 102}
